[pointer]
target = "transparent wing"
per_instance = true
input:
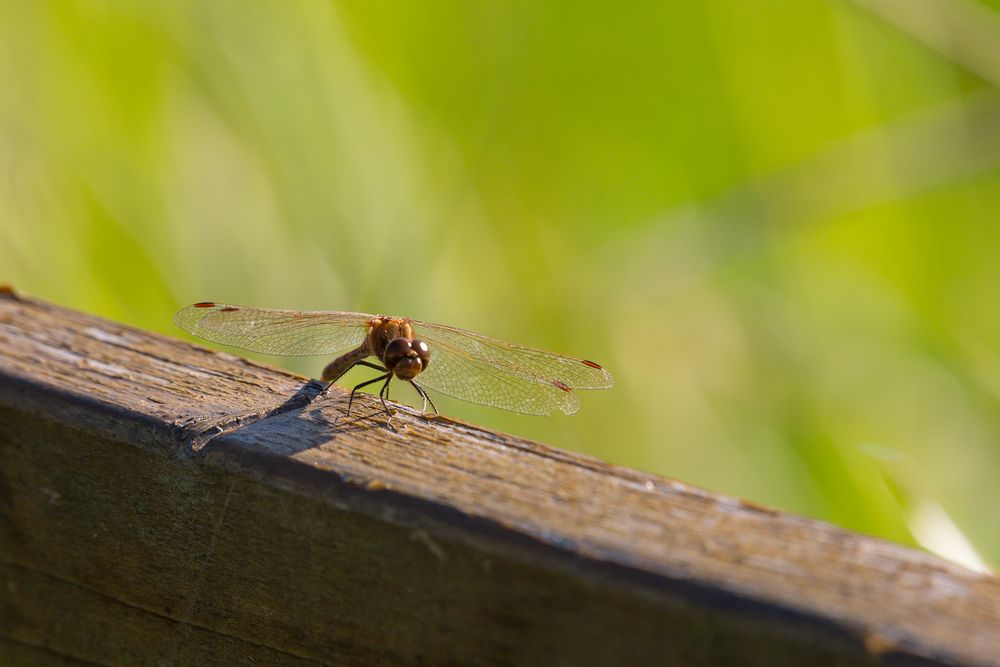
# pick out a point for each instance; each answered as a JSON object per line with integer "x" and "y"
{"x": 278, "y": 332}
{"x": 523, "y": 362}
{"x": 456, "y": 374}
{"x": 483, "y": 370}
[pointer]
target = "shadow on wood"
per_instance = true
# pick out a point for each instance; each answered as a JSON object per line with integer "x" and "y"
{"x": 293, "y": 538}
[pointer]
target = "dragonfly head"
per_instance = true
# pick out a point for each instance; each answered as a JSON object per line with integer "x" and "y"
{"x": 406, "y": 358}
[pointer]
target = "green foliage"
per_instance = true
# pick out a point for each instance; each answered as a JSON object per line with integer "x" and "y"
{"x": 776, "y": 223}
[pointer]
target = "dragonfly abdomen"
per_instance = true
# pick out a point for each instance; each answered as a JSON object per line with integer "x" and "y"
{"x": 343, "y": 363}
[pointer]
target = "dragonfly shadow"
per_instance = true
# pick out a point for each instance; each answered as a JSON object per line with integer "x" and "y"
{"x": 198, "y": 434}
{"x": 326, "y": 409}
{"x": 321, "y": 416}
{"x": 302, "y": 398}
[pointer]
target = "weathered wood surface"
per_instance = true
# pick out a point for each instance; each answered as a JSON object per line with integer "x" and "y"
{"x": 296, "y": 539}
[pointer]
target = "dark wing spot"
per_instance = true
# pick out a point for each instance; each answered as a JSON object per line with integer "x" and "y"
{"x": 561, "y": 385}
{"x": 591, "y": 364}
{"x": 228, "y": 309}
{"x": 205, "y": 304}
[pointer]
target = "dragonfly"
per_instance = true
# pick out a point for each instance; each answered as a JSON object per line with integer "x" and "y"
{"x": 452, "y": 361}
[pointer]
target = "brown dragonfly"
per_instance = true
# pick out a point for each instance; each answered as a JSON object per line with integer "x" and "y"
{"x": 452, "y": 361}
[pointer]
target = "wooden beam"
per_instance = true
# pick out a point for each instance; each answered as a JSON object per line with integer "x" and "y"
{"x": 160, "y": 502}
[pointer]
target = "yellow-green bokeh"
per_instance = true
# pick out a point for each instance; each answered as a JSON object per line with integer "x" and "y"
{"x": 778, "y": 224}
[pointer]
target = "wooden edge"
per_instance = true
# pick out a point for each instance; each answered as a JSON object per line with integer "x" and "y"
{"x": 640, "y": 544}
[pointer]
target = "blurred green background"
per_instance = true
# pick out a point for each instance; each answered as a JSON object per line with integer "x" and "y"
{"x": 776, "y": 223}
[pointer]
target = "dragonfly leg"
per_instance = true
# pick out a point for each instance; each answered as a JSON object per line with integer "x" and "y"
{"x": 357, "y": 363}
{"x": 371, "y": 365}
{"x": 423, "y": 394}
{"x": 384, "y": 392}
{"x": 350, "y": 402}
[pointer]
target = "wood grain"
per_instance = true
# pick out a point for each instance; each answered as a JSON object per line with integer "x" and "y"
{"x": 166, "y": 504}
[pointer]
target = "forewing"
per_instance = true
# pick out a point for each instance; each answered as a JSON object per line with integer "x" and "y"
{"x": 277, "y": 332}
{"x": 456, "y": 374}
{"x": 516, "y": 360}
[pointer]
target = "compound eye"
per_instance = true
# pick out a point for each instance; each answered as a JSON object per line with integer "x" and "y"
{"x": 394, "y": 351}
{"x": 423, "y": 352}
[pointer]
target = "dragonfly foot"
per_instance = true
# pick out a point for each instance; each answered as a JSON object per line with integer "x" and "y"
{"x": 388, "y": 422}
{"x": 344, "y": 419}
